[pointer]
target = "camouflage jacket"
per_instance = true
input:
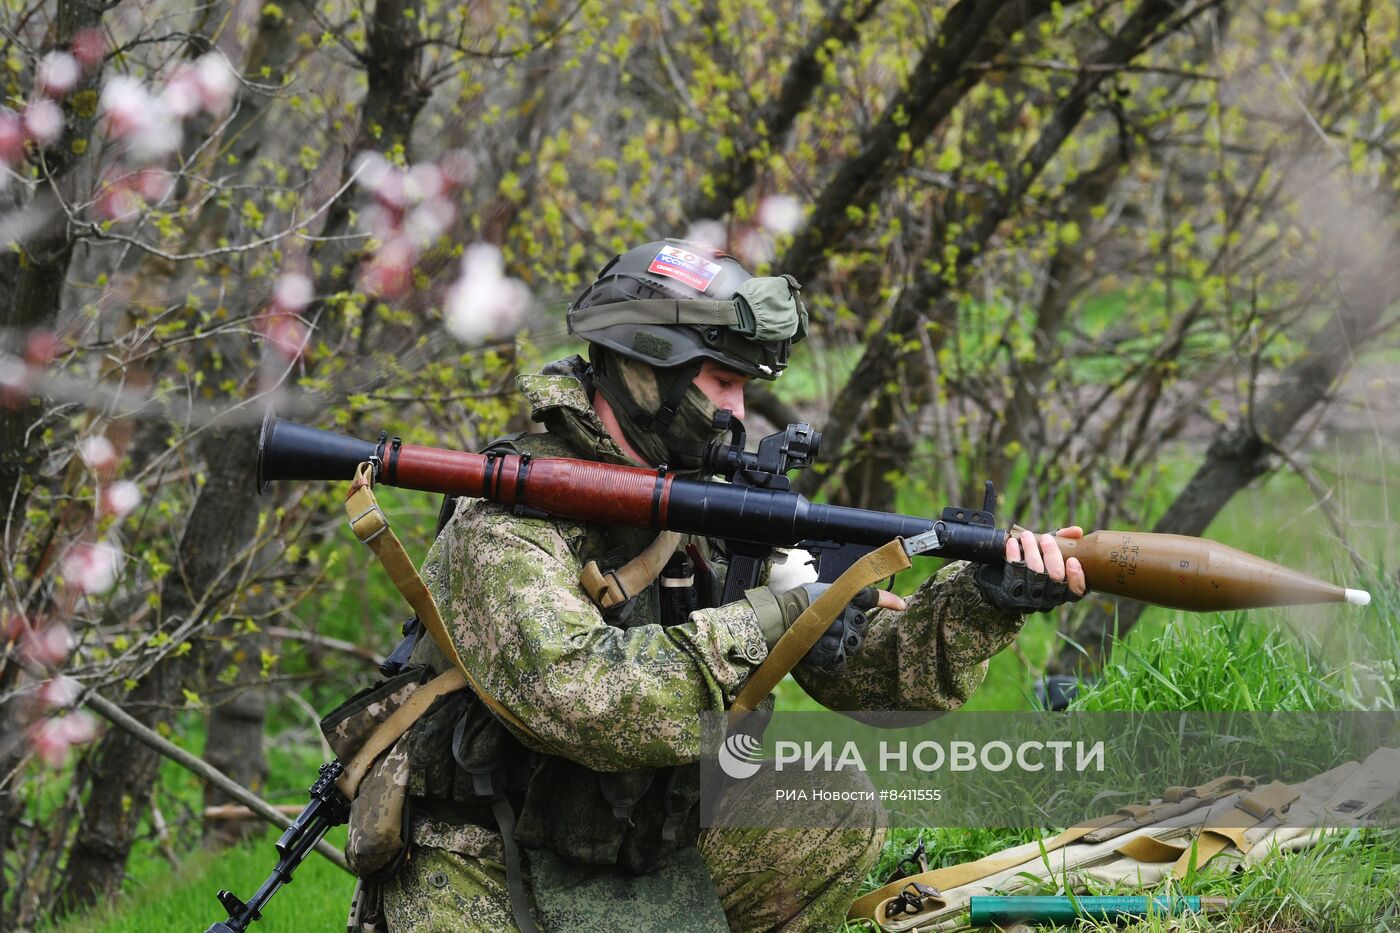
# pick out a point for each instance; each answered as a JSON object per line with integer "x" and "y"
{"x": 615, "y": 699}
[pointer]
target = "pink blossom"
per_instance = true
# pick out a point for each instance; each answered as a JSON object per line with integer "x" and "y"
{"x": 11, "y": 139}
{"x": 117, "y": 200}
{"x": 51, "y": 738}
{"x": 182, "y": 95}
{"x": 389, "y": 272}
{"x": 755, "y": 245}
{"x": 91, "y": 568}
{"x": 429, "y": 220}
{"x": 14, "y": 626}
{"x": 382, "y": 223}
{"x": 425, "y": 181}
{"x": 780, "y": 213}
{"x": 47, "y": 646}
{"x": 217, "y": 83}
{"x": 97, "y": 452}
{"x": 56, "y": 74}
{"x": 14, "y": 381}
{"x": 120, "y": 498}
{"x": 708, "y": 233}
{"x": 370, "y": 169}
{"x": 286, "y": 334}
{"x": 42, "y": 347}
{"x": 133, "y": 115}
{"x": 292, "y": 293}
{"x": 123, "y": 106}
{"x": 392, "y": 190}
{"x": 43, "y": 122}
{"x": 153, "y": 184}
{"x": 89, "y": 47}
{"x": 59, "y": 692}
{"x": 484, "y": 300}
{"x": 458, "y": 168}
{"x": 388, "y": 183}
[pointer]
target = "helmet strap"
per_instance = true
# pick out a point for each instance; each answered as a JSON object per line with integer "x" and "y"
{"x": 681, "y": 379}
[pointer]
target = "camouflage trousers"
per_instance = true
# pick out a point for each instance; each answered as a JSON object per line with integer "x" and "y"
{"x": 767, "y": 879}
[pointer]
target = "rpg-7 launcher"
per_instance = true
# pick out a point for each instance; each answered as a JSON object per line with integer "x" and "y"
{"x": 755, "y": 511}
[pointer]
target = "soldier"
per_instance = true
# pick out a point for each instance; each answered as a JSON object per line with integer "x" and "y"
{"x": 589, "y": 821}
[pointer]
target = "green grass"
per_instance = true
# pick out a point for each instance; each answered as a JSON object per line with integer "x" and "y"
{"x": 1236, "y": 662}
{"x": 161, "y": 898}
{"x": 1224, "y": 662}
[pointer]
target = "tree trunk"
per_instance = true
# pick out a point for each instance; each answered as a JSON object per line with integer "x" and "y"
{"x": 10, "y": 805}
{"x": 44, "y": 254}
{"x": 33, "y": 283}
{"x": 223, "y": 520}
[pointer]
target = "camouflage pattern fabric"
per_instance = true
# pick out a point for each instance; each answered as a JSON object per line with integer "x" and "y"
{"x": 767, "y": 878}
{"x": 376, "y": 833}
{"x": 438, "y": 891}
{"x": 609, "y": 698}
{"x": 616, "y": 699}
{"x": 679, "y": 897}
{"x": 348, "y": 725}
{"x": 775, "y": 878}
{"x": 931, "y": 656}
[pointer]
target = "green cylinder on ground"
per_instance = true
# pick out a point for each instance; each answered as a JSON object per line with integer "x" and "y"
{"x": 996, "y": 911}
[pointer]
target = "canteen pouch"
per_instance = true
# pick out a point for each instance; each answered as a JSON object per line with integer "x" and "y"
{"x": 377, "y": 836}
{"x": 378, "y": 832}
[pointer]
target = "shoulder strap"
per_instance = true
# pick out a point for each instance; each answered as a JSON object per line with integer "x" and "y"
{"x": 371, "y": 526}
{"x": 614, "y": 587}
{"x": 872, "y": 906}
{"x": 1228, "y": 828}
{"x": 880, "y": 563}
{"x": 392, "y": 729}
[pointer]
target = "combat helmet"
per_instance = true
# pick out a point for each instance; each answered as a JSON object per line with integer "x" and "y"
{"x": 670, "y": 302}
{"x": 652, "y": 317}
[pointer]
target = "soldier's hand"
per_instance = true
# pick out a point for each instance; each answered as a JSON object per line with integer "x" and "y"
{"x": 841, "y": 640}
{"x": 1043, "y": 556}
{"x": 1035, "y": 576}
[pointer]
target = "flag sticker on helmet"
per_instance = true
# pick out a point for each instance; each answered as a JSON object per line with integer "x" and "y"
{"x": 685, "y": 266}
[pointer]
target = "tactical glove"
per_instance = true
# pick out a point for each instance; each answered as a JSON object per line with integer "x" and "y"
{"x": 776, "y": 614}
{"x": 1011, "y": 586}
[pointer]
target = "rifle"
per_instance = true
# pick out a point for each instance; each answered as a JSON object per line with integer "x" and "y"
{"x": 328, "y": 808}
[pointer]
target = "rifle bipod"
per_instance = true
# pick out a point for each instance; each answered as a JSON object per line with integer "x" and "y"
{"x": 328, "y": 807}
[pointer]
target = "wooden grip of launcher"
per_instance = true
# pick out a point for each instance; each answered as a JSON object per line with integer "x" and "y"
{"x": 547, "y": 486}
